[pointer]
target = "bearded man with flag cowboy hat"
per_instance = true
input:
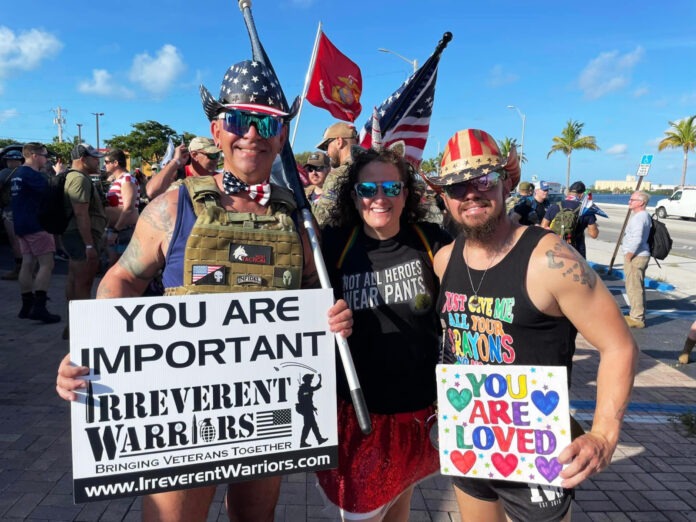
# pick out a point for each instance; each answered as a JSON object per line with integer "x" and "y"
{"x": 249, "y": 123}
{"x": 554, "y": 294}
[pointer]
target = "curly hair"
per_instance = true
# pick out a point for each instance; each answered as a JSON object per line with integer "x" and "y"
{"x": 344, "y": 213}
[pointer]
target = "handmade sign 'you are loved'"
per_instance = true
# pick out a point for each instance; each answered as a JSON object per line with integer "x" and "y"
{"x": 503, "y": 422}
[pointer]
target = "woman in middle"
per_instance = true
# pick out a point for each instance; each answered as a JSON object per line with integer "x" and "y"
{"x": 379, "y": 253}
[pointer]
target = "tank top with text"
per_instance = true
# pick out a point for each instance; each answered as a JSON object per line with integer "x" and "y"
{"x": 501, "y": 325}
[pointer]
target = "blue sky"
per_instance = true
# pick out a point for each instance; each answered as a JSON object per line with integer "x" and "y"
{"x": 624, "y": 69}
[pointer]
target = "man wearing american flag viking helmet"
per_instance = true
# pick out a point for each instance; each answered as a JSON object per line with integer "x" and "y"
{"x": 249, "y": 124}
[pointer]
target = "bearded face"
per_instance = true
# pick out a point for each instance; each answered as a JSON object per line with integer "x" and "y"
{"x": 483, "y": 226}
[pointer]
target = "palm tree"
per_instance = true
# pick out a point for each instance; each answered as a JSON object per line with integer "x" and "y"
{"x": 432, "y": 164}
{"x": 682, "y": 135}
{"x": 570, "y": 140}
{"x": 506, "y": 145}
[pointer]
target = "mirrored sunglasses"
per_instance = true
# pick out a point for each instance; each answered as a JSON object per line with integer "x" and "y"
{"x": 368, "y": 189}
{"x": 481, "y": 184}
{"x": 239, "y": 122}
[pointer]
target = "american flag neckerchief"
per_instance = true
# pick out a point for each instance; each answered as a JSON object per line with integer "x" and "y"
{"x": 260, "y": 192}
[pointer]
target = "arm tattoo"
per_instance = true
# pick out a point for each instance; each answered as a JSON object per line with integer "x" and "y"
{"x": 157, "y": 215}
{"x": 562, "y": 257}
{"x": 622, "y": 411}
{"x": 132, "y": 261}
{"x": 105, "y": 293}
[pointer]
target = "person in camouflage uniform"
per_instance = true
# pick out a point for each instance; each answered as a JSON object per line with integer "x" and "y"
{"x": 337, "y": 142}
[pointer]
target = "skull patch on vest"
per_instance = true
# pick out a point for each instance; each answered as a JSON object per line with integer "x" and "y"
{"x": 208, "y": 275}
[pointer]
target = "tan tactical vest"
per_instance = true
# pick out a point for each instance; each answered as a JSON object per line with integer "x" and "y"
{"x": 239, "y": 251}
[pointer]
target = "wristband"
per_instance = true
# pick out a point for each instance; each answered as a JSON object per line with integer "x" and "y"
{"x": 89, "y": 246}
{"x": 177, "y": 162}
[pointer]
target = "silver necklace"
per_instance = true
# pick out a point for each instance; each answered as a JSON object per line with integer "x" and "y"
{"x": 474, "y": 299}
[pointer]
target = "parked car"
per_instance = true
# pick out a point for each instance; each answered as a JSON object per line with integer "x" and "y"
{"x": 555, "y": 197}
{"x": 680, "y": 204}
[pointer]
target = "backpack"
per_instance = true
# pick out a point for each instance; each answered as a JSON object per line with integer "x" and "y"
{"x": 565, "y": 222}
{"x": 659, "y": 240}
{"x": 53, "y": 217}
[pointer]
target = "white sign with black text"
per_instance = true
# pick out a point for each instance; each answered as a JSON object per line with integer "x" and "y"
{"x": 195, "y": 390}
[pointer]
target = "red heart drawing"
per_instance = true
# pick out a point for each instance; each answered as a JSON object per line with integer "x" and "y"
{"x": 505, "y": 465}
{"x": 463, "y": 461}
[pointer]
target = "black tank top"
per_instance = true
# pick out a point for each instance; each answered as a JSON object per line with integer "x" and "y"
{"x": 501, "y": 326}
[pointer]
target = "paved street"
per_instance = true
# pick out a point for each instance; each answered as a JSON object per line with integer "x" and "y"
{"x": 652, "y": 477}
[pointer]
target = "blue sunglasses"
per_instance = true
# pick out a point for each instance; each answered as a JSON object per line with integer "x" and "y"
{"x": 239, "y": 122}
{"x": 368, "y": 189}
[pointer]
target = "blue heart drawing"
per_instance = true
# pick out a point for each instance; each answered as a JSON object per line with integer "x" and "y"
{"x": 545, "y": 402}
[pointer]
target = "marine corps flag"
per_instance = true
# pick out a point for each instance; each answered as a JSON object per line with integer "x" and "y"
{"x": 336, "y": 82}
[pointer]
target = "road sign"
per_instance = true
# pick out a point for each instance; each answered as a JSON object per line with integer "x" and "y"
{"x": 644, "y": 166}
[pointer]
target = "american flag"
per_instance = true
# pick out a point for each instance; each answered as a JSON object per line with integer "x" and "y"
{"x": 198, "y": 272}
{"x": 274, "y": 422}
{"x": 405, "y": 115}
{"x": 588, "y": 207}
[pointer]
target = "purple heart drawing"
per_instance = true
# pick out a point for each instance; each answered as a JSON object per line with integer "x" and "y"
{"x": 545, "y": 402}
{"x": 549, "y": 469}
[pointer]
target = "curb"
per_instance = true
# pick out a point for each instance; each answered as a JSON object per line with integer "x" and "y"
{"x": 649, "y": 282}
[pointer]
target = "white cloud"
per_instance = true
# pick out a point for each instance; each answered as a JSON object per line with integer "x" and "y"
{"x": 158, "y": 74}
{"x": 498, "y": 77}
{"x": 609, "y": 72}
{"x": 102, "y": 84}
{"x": 25, "y": 51}
{"x": 640, "y": 91}
{"x": 8, "y": 114}
{"x": 618, "y": 149}
{"x": 689, "y": 98}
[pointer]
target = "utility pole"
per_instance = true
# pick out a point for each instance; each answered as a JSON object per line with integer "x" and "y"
{"x": 59, "y": 121}
{"x": 79, "y": 133}
{"x": 97, "y": 114}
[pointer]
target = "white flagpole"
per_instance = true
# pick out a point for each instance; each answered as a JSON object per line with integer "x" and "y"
{"x": 310, "y": 72}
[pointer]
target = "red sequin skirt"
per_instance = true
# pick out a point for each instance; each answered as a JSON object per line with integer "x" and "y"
{"x": 374, "y": 469}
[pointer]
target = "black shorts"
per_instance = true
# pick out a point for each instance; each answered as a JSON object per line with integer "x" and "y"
{"x": 522, "y": 502}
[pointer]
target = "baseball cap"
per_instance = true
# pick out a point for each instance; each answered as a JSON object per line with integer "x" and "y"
{"x": 14, "y": 155}
{"x": 544, "y": 185}
{"x": 84, "y": 149}
{"x": 526, "y": 186}
{"x": 200, "y": 143}
{"x": 317, "y": 159}
{"x": 337, "y": 130}
{"x": 578, "y": 187}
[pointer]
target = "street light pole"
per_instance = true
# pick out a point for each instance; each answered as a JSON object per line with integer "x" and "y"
{"x": 524, "y": 119}
{"x": 97, "y": 114}
{"x": 79, "y": 133}
{"x": 414, "y": 63}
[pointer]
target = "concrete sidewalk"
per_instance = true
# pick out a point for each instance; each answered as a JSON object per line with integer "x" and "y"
{"x": 652, "y": 477}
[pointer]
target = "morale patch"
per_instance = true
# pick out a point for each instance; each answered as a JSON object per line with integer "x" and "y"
{"x": 208, "y": 275}
{"x": 248, "y": 279}
{"x": 286, "y": 278}
{"x": 251, "y": 254}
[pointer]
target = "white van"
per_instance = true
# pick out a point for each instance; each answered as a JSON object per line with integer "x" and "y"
{"x": 680, "y": 204}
